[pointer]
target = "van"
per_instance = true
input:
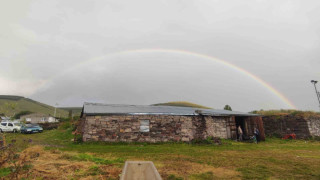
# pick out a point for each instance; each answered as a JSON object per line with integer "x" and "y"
{"x": 10, "y": 126}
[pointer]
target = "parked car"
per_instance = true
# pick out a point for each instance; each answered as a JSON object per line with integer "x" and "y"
{"x": 31, "y": 128}
{"x": 10, "y": 127}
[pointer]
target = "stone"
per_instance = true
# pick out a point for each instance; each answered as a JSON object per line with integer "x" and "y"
{"x": 162, "y": 128}
{"x": 185, "y": 139}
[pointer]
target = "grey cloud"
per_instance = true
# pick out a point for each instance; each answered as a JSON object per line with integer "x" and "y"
{"x": 275, "y": 40}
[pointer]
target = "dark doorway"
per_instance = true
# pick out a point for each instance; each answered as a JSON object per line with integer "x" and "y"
{"x": 240, "y": 121}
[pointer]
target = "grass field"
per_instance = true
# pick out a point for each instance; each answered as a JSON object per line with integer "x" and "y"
{"x": 61, "y": 158}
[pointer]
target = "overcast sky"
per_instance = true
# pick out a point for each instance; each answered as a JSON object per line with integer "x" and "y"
{"x": 68, "y": 52}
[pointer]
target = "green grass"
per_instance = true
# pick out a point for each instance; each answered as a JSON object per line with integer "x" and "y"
{"x": 26, "y": 104}
{"x": 206, "y": 175}
{"x": 75, "y": 110}
{"x": 283, "y": 112}
{"x": 97, "y": 160}
{"x": 272, "y": 159}
{"x": 4, "y": 172}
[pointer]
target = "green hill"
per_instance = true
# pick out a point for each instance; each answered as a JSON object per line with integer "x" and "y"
{"x": 10, "y": 105}
{"x": 76, "y": 111}
{"x": 182, "y": 104}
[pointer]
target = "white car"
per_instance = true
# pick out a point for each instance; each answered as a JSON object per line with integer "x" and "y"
{"x": 10, "y": 127}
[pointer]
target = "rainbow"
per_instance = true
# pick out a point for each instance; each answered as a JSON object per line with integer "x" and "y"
{"x": 198, "y": 55}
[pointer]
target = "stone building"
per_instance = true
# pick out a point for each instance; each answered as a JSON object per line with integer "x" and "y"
{"x": 302, "y": 126}
{"x": 132, "y": 123}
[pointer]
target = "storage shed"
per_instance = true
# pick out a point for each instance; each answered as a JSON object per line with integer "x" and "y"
{"x": 142, "y": 123}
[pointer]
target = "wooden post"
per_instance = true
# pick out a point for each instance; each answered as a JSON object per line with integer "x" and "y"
{"x": 259, "y": 123}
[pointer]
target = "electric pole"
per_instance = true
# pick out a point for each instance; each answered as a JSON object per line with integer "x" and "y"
{"x": 315, "y": 87}
{"x": 55, "y": 110}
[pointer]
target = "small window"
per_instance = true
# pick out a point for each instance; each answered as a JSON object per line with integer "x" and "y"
{"x": 144, "y": 126}
{"x": 10, "y": 124}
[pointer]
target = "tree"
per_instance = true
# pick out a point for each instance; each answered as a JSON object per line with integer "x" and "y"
{"x": 227, "y": 107}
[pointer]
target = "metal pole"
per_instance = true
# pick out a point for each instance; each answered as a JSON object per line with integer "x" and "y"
{"x": 315, "y": 87}
{"x": 55, "y": 110}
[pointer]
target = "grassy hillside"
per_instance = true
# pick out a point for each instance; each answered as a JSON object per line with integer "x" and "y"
{"x": 76, "y": 111}
{"x": 10, "y": 105}
{"x": 182, "y": 104}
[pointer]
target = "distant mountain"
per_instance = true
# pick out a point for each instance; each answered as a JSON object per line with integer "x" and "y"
{"x": 11, "y": 105}
{"x": 182, "y": 104}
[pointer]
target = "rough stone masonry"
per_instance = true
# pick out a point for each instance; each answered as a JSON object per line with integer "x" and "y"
{"x": 133, "y": 123}
{"x": 302, "y": 126}
{"x": 163, "y": 128}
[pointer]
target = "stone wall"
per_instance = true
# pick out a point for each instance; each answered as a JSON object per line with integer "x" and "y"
{"x": 216, "y": 127}
{"x": 163, "y": 128}
{"x": 314, "y": 126}
{"x": 303, "y": 127}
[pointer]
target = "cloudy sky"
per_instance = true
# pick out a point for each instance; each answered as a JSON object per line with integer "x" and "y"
{"x": 252, "y": 54}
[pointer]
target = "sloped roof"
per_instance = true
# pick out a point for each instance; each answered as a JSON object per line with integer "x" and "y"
{"x": 103, "y": 109}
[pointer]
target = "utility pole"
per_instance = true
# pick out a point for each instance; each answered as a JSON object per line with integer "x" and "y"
{"x": 315, "y": 87}
{"x": 55, "y": 110}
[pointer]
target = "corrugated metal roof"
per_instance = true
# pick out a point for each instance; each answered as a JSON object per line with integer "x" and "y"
{"x": 97, "y": 108}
